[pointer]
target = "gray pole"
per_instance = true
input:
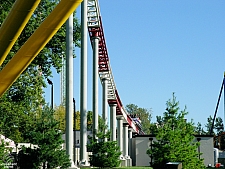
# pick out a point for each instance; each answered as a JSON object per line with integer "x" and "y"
{"x": 69, "y": 88}
{"x": 119, "y": 133}
{"x": 83, "y": 85}
{"x": 74, "y": 131}
{"x": 52, "y": 102}
{"x": 113, "y": 121}
{"x": 104, "y": 100}
{"x": 51, "y": 83}
{"x": 95, "y": 41}
{"x": 130, "y": 142}
{"x": 125, "y": 142}
{"x": 224, "y": 98}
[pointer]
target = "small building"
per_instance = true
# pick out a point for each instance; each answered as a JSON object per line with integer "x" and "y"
{"x": 140, "y": 143}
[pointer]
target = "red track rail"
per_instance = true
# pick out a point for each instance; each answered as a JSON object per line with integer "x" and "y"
{"x": 103, "y": 54}
{"x": 104, "y": 66}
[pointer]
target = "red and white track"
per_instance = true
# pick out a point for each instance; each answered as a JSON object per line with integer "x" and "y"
{"x": 95, "y": 28}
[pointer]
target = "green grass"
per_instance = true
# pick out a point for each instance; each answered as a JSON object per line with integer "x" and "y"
{"x": 122, "y": 167}
{"x": 135, "y": 167}
{"x": 130, "y": 167}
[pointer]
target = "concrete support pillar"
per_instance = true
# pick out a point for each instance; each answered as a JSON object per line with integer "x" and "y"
{"x": 125, "y": 142}
{"x": 83, "y": 86}
{"x": 95, "y": 42}
{"x": 130, "y": 142}
{"x": 120, "y": 132}
{"x": 69, "y": 89}
{"x": 113, "y": 121}
{"x": 104, "y": 100}
{"x": 125, "y": 139}
{"x": 129, "y": 160}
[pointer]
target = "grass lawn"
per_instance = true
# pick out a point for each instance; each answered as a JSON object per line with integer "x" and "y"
{"x": 135, "y": 167}
{"x": 131, "y": 167}
{"x": 123, "y": 168}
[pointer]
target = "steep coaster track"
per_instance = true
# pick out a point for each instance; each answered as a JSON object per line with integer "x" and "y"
{"x": 95, "y": 29}
{"x": 46, "y": 30}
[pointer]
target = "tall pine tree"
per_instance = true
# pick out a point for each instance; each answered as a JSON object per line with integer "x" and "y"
{"x": 175, "y": 140}
{"x": 105, "y": 154}
{"x": 47, "y": 137}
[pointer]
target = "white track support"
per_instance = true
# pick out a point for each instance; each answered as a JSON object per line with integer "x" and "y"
{"x": 63, "y": 81}
{"x": 69, "y": 89}
{"x": 111, "y": 83}
{"x": 95, "y": 26}
{"x": 83, "y": 86}
{"x": 104, "y": 101}
{"x": 93, "y": 13}
{"x": 113, "y": 121}
{"x": 95, "y": 41}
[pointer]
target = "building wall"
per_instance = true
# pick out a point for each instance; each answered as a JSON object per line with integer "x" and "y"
{"x": 133, "y": 151}
{"x": 206, "y": 147}
{"x": 141, "y": 143}
{"x": 141, "y": 146}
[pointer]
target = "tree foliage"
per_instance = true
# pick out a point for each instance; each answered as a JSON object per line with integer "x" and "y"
{"x": 143, "y": 113}
{"x": 199, "y": 129}
{"x": 4, "y": 152}
{"x": 105, "y": 153}
{"x": 47, "y": 138}
{"x": 21, "y": 103}
{"x": 175, "y": 139}
{"x": 218, "y": 132}
{"x": 217, "y": 127}
{"x": 60, "y": 113}
{"x": 60, "y": 116}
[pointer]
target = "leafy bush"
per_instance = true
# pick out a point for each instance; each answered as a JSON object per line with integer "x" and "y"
{"x": 175, "y": 138}
{"x": 105, "y": 153}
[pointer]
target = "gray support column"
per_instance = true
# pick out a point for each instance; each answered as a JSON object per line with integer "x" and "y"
{"x": 95, "y": 41}
{"x": 113, "y": 121}
{"x": 119, "y": 132}
{"x": 83, "y": 85}
{"x": 104, "y": 100}
{"x": 130, "y": 142}
{"x": 69, "y": 88}
{"x": 128, "y": 161}
{"x": 125, "y": 139}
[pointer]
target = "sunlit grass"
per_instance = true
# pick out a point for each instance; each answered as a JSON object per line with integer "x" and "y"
{"x": 122, "y": 167}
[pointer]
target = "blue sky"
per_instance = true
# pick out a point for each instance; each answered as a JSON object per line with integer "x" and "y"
{"x": 157, "y": 47}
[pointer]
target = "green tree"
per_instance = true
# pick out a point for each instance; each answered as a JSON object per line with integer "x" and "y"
{"x": 90, "y": 120}
{"x": 217, "y": 127}
{"x": 218, "y": 132}
{"x": 199, "y": 129}
{"x": 154, "y": 126}
{"x": 16, "y": 119}
{"x": 60, "y": 116}
{"x": 5, "y": 159}
{"x": 47, "y": 138}
{"x": 4, "y": 152}
{"x": 21, "y": 103}
{"x": 143, "y": 113}
{"x": 208, "y": 125}
{"x": 175, "y": 140}
{"x": 104, "y": 153}
{"x": 60, "y": 112}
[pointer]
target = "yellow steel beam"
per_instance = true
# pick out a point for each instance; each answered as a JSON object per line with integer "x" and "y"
{"x": 36, "y": 43}
{"x": 14, "y": 23}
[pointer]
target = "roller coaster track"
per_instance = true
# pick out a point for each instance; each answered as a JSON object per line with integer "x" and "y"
{"x": 95, "y": 28}
{"x": 44, "y": 33}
